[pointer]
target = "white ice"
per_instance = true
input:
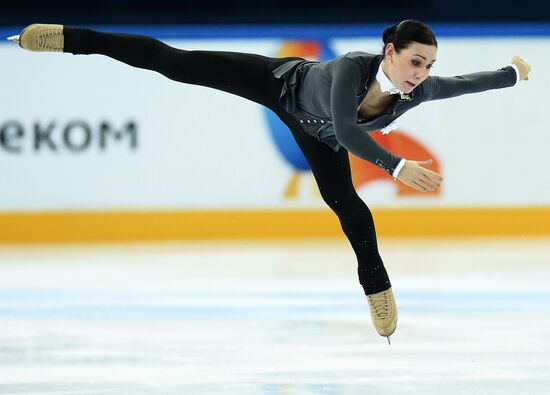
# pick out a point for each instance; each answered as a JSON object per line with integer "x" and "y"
{"x": 273, "y": 318}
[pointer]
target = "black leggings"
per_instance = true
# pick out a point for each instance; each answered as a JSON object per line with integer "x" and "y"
{"x": 250, "y": 76}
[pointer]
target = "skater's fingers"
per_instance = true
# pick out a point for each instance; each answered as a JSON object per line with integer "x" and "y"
{"x": 426, "y": 183}
{"x": 432, "y": 179}
{"x": 418, "y": 186}
{"x": 433, "y": 175}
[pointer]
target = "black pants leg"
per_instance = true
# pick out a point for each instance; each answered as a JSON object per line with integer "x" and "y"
{"x": 249, "y": 76}
{"x": 333, "y": 176}
{"x": 245, "y": 75}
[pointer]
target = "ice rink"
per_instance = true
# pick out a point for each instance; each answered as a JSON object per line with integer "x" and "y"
{"x": 274, "y": 318}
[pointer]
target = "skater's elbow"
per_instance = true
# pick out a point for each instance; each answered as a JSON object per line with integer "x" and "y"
{"x": 343, "y": 133}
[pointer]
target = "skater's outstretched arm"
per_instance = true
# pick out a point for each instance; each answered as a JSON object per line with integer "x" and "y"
{"x": 437, "y": 88}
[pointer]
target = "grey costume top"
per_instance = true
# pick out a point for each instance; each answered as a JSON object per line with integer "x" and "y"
{"x": 325, "y": 97}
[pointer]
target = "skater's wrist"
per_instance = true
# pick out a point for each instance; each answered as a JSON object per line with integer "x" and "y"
{"x": 518, "y": 75}
{"x": 398, "y": 168}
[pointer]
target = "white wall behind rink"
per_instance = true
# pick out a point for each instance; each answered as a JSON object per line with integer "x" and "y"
{"x": 199, "y": 148}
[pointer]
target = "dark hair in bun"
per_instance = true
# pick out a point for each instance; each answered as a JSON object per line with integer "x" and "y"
{"x": 406, "y": 32}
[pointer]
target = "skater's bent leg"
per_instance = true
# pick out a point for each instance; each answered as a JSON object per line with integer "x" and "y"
{"x": 333, "y": 176}
{"x": 246, "y": 75}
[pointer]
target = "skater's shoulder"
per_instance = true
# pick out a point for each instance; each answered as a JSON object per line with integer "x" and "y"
{"x": 361, "y": 55}
{"x": 366, "y": 60}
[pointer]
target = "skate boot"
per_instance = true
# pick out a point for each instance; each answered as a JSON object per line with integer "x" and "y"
{"x": 383, "y": 311}
{"x": 43, "y": 38}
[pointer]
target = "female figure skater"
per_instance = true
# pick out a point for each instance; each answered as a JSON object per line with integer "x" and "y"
{"x": 328, "y": 106}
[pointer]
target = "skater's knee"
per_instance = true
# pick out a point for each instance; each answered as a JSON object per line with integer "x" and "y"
{"x": 342, "y": 202}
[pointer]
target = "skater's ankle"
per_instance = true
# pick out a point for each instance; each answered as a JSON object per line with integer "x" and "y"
{"x": 374, "y": 279}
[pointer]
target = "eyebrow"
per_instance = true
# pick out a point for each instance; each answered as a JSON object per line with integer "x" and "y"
{"x": 422, "y": 57}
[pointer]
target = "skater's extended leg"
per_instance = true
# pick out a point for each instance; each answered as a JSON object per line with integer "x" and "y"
{"x": 242, "y": 74}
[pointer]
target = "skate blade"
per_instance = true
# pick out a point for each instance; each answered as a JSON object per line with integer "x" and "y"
{"x": 13, "y": 38}
{"x": 389, "y": 342}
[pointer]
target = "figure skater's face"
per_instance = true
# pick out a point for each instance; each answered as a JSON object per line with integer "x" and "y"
{"x": 407, "y": 68}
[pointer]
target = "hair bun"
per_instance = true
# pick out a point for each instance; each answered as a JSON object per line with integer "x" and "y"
{"x": 389, "y": 34}
{"x": 402, "y": 34}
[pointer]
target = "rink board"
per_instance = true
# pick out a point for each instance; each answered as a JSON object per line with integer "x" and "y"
{"x": 133, "y": 153}
{"x": 142, "y": 226}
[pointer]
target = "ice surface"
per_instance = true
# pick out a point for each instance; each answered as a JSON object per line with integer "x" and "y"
{"x": 273, "y": 318}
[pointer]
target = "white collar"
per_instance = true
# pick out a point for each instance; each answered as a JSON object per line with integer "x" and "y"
{"x": 385, "y": 84}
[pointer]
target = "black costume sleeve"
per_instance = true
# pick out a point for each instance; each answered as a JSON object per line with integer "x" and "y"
{"x": 346, "y": 79}
{"x": 436, "y": 88}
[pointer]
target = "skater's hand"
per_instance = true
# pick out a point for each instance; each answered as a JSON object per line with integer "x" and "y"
{"x": 415, "y": 175}
{"x": 522, "y": 66}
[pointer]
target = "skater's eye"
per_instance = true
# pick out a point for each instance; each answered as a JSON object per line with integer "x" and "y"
{"x": 418, "y": 63}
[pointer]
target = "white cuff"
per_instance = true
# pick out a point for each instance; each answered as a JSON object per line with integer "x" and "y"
{"x": 398, "y": 168}
{"x": 517, "y": 72}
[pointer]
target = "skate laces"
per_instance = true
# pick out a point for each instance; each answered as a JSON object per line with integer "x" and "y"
{"x": 380, "y": 305}
{"x": 50, "y": 39}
